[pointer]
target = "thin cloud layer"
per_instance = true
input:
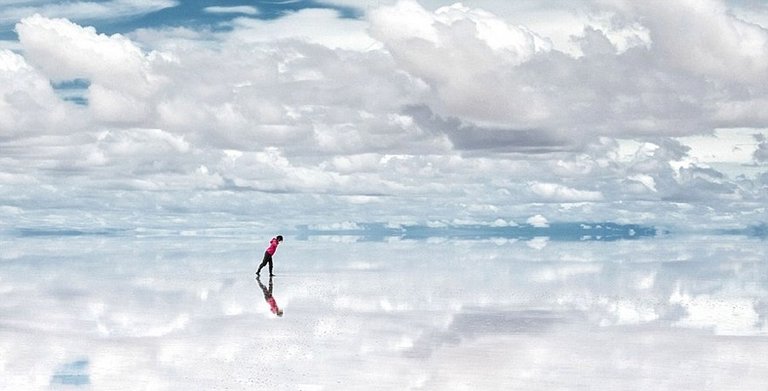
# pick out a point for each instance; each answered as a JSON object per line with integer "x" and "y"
{"x": 408, "y": 105}
{"x": 88, "y": 10}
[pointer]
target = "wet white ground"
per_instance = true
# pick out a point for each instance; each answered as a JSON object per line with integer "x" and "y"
{"x": 183, "y": 313}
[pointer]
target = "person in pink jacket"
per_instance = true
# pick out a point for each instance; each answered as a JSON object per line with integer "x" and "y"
{"x": 269, "y": 253}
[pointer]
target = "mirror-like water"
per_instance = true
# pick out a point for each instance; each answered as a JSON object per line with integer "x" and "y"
{"x": 672, "y": 312}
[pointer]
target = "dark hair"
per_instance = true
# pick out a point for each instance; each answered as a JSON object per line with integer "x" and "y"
{"x": 279, "y": 238}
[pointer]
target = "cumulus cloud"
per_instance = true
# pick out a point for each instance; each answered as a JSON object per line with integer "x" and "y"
{"x": 455, "y": 104}
{"x": 65, "y": 50}
{"x": 715, "y": 42}
{"x": 460, "y": 52}
{"x": 639, "y": 89}
{"x": 28, "y": 104}
{"x": 118, "y": 71}
{"x": 538, "y": 221}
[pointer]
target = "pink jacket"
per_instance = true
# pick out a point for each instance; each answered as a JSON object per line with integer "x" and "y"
{"x": 272, "y": 246}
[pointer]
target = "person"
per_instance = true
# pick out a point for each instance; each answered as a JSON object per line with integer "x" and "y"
{"x": 269, "y": 253}
{"x": 268, "y": 297}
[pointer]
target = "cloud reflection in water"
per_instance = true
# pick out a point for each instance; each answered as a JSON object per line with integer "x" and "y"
{"x": 671, "y": 311}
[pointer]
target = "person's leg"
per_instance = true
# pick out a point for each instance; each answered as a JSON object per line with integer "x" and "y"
{"x": 267, "y": 258}
{"x": 270, "y": 267}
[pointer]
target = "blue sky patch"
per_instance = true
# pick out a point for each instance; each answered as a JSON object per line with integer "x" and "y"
{"x": 74, "y": 90}
{"x": 72, "y": 374}
{"x": 556, "y": 231}
{"x": 199, "y": 14}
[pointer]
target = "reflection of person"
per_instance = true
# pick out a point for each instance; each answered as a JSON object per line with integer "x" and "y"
{"x": 268, "y": 297}
{"x": 269, "y": 253}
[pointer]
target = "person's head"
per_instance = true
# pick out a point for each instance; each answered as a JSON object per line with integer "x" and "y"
{"x": 279, "y": 238}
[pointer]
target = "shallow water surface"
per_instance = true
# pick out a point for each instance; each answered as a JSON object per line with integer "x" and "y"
{"x": 103, "y": 312}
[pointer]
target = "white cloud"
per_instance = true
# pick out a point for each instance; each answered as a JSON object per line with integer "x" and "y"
{"x": 83, "y": 10}
{"x": 560, "y": 193}
{"x": 119, "y": 72}
{"x": 538, "y": 221}
{"x": 714, "y": 42}
{"x": 28, "y": 104}
{"x": 645, "y": 180}
{"x": 528, "y": 86}
{"x": 243, "y": 9}
{"x": 472, "y": 114}
{"x": 724, "y": 145}
{"x": 320, "y": 26}
{"x": 64, "y": 50}
{"x": 459, "y": 51}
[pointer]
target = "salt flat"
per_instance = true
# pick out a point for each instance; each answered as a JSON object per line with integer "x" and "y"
{"x": 186, "y": 312}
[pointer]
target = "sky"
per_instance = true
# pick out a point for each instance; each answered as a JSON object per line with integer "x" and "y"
{"x": 326, "y": 112}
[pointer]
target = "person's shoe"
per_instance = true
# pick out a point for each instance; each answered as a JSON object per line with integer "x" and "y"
{"x": 271, "y": 275}
{"x": 258, "y": 273}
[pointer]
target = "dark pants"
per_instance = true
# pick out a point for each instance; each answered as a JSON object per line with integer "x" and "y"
{"x": 267, "y": 260}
